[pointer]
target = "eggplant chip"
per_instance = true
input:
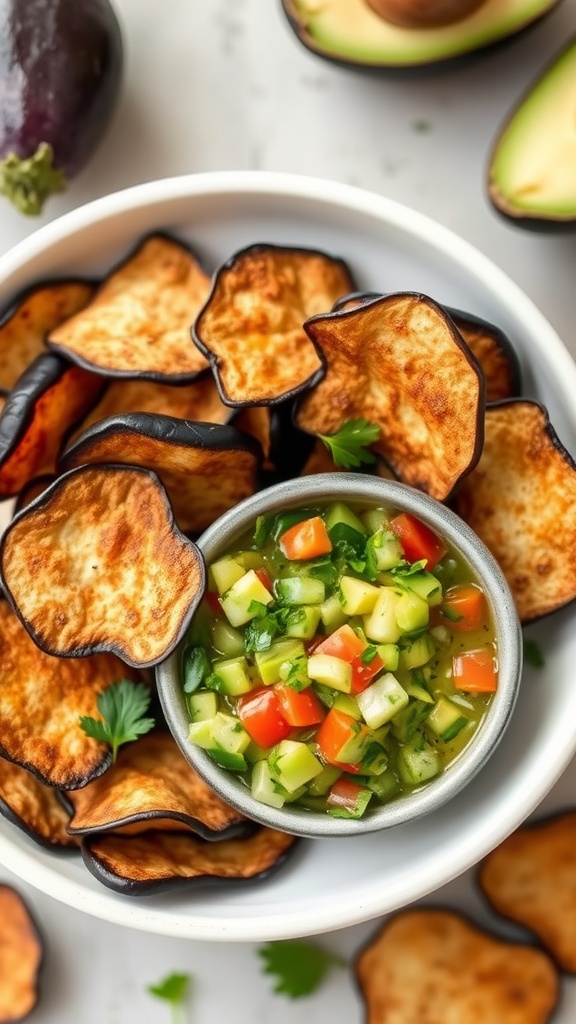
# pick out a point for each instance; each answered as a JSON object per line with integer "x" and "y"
{"x": 435, "y": 966}
{"x": 32, "y": 490}
{"x": 157, "y": 861}
{"x": 319, "y": 461}
{"x": 34, "y": 808}
{"x": 21, "y": 954}
{"x": 399, "y": 362}
{"x": 251, "y": 325}
{"x": 138, "y": 324}
{"x": 41, "y": 701}
{"x": 152, "y": 782}
{"x": 495, "y": 353}
{"x": 521, "y": 501}
{"x": 206, "y": 468}
{"x": 96, "y": 564}
{"x": 530, "y": 878}
{"x": 49, "y": 398}
{"x": 31, "y": 317}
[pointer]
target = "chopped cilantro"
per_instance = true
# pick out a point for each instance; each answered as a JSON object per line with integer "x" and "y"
{"x": 408, "y": 568}
{"x": 122, "y": 706}
{"x": 174, "y": 990}
{"x": 348, "y": 446}
{"x": 299, "y": 967}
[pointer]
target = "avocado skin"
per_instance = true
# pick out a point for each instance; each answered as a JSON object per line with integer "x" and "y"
{"x": 415, "y": 70}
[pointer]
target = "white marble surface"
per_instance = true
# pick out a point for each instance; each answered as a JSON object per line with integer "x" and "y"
{"x": 216, "y": 85}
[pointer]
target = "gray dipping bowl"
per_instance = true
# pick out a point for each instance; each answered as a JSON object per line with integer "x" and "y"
{"x": 367, "y": 490}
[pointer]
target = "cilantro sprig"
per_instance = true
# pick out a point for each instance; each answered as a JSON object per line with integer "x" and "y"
{"x": 122, "y": 706}
{"x": 349, "y": 446}
{"x": 173, "y": 989}
{"x": 299, "y": 967}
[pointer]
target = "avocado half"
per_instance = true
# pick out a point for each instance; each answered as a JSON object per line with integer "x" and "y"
{"x": 532, "y": 168}
{"x": 350, "y": 33}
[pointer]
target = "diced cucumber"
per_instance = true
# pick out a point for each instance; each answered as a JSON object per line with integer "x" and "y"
{"x": 297, "y": 590}
{"x": 374, "y": 519}
{"x": 229, "y": 733}
{"x": 407, "y": 722}
{"x": 227, "y": 759}
{"x": 356, "y": 596}
{"x": 240, "y": 602}
{"x": 269, "y": 663}
{"x": 225, "y": 572}
{"x": 446, "y": 719}
{"x": 412, "y": 613}
{"x": 313, "y": 803}
{"x": 416, "y": 653}
{"x": 348, "y": 704}
{"x": 234, "y": 676}
{"x": 264, "y": 787}
{"x": 325, "y": 668}
{"x": 354, "y": 749}
{"x": 338, "y": 810}
{"x": 340, "y": 513}
{"x": 381, "y": 625}
{"x": 390, "y": 655}
{"x": 418, "y": 691}
{"x": 254, "y": 753}
{"x": 326, "y": 695}
{"x": 425, "y": 585}
{"x": 385, "y": 786}
{"x": 200, "y": 733}
{"x": 249, "y": 559}
{"x": 322, "y": 782}
{"x": 332, "y": 614}
{"x": 295, "y": 673}
{"x": 384, "y": 550}
{"x": 226, "y": 640}
{"x": 202, "y": 706}
{"x": 292, "y": 764}
{"x": 303, "y": 622}
{"x": 375, "y": 760}
{"x": 383, "y": 699}
{"x": 418, "y": 761}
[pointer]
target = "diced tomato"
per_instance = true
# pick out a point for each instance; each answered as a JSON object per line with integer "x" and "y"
{"x": 299, "y": 708}
{"x": 213, "y": 601}
{"x": 261, "y": 715}
{"x": 475, "y": 671}
{"x": 305, "y": 540}
{"x": 418, "y": 540}
{"x": 345, "y": 795}
{"x": 344, "y": 643}
{"x": 464, "y": 608}
{"x": 336, "y": 731}
{"x": 264, "y": 577}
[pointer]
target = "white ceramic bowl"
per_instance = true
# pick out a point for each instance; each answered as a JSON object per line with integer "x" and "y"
{"x": 330, "y": 883}
{"x": 309, "y": 492}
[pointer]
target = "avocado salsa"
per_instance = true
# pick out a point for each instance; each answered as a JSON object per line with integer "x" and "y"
{"x": 342, "y": 656}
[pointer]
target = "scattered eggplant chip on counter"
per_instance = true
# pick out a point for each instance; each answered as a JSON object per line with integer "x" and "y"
{"x": 529, "y": 524}
{"x": 138, "y": 323}
{"x": 50, "y": 397}
{"x": 436, "y": 966}
{"x": 97, "y": 564}
{"x": 531, "y": 879}
{"x": 206, "y": 468}
{"x": 152, "y": 783}
{"x": 251, "y": 327}
{"x": 399, "y": 362}
{"x": 30, "y": 318}
{"x": 158, "y": 861}
{"x": 21, "y": 955}
{"x": 34, "y": 808}
{"x": 41, "y": 701}
{"x": 495, "y": 353}
{"x": 32, "y": 490}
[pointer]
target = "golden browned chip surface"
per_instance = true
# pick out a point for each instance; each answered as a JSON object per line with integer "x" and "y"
{"x": 521, "y": 501}
{"x": 41, "y": 700}
{"x": 251, "y": 326}
{"x": 399, "y": 363}
{"x": 97, "y": 564}
{"x": 138, "y": 324}
{"x": 435, "y": 967}
{"x": 156, "y": 861}
{"x": 151, "y": 781}
{"x": 20, "y": 957}
{"x": 206, "y": 469}
{"x": 494, "y": 353}
{"x": 34, "y": 807}
{"x": 24, "y": 327}
{"x": 531, "y": 878}
{"x": 32, "y": 490}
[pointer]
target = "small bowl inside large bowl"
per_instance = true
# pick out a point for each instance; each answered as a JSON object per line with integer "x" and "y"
{"x": 363, "y": 491}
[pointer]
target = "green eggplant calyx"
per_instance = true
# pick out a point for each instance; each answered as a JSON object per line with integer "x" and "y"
{"x": 28, "y": 182}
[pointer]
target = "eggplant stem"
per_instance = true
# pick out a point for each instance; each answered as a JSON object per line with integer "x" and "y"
{"x": 27, "y": 182}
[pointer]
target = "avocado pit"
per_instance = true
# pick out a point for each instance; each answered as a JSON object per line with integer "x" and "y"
{"x": 424, "y": 13}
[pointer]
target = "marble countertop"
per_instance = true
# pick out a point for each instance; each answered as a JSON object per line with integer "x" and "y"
{"x": 217, "y": 85}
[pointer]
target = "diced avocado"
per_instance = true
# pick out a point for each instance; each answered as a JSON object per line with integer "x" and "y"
{"x": 381, "y": 625}
{"x": 202, "y": 706}
{"x": 332, "y": 614}
{"x": 227, "y": 641}
{"x": 234, "y": 676}
{"x": 356, "y": 596}
{"x": 383, "y": 699}
{"x": 418, "y": 761}
{"x": 229, "y": 733}
{"x": 303, "y": 622}
{"x": 225, "y": 572}
{"x": 322, "y": 782}
{"x": 297, "y": 590}
{"x": 416, "y": 653}
{"x": 282, "y": 652}
{"x": 333, "y": 672}
{"x": 425, "y": 585}
{"x": 412, "y": 613}
{"x": 264, "y": 787}
{"x": 240, "y": 603}
{"x": 446, "y": 719}
{"x": 292, "y": 764}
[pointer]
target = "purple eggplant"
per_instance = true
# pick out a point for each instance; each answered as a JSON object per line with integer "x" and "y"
{"x": 60, "y": 73}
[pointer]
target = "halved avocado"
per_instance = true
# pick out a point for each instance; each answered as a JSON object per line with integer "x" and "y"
{"x": 351, "y": 33}
{"x": 532, "y": 169}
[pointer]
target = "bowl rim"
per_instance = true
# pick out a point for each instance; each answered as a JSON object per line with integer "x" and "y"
{"x": 364, "y": 490}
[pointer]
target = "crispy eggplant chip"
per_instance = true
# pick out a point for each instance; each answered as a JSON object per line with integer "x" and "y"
{"x": 495, "y": 353}
{"x": 49, "y": 398}
{"x": 152, "y": 782}
{"x": 32, "y": 490}
{"x": 21, "y": 955}
{"x": 521, "y": 501}
{"x": 319, "y": 461}
{"x": 530, "y": 878}
{"x": 256, "y": 420}
{"x": 138, "y": 323}
{"x": 399, "y": 362}
{"x": 435, "y": 966}
{"x": 157, "y": 861}
{"x": 206, "y": 468}
{"x": 97, "y": 564}
{"x": 41, "y": 701}
{"x": 25, "y": 325}
{"x": 34, "y": 808}
{"x": 251, "y": 325}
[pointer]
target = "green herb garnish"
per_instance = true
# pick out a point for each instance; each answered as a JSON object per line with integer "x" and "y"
{"x": 532, "y": 654}
{"x": 122, "y": 706}
{"x": 367, "y": 656}
{"x": 196, "y": 668}
{"x": 348, "y": 446}
{"x": 174, "y": 990}
{"x": 299, "y": 967}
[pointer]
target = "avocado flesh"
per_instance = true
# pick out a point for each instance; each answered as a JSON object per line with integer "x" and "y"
{"x": 533, "y": 165}
{"x": 349, "y": 30}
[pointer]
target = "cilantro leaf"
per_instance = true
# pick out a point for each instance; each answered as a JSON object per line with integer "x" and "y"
{"x": 532, "y": 654}
{"x": 196, "y": 667}
{"x": 299, "y": 967}
{"x": 122, "y": 706}
{"x": 173, "y": 989}
{"x": 348, "y": 446}
{"x": 408, "y": 568}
